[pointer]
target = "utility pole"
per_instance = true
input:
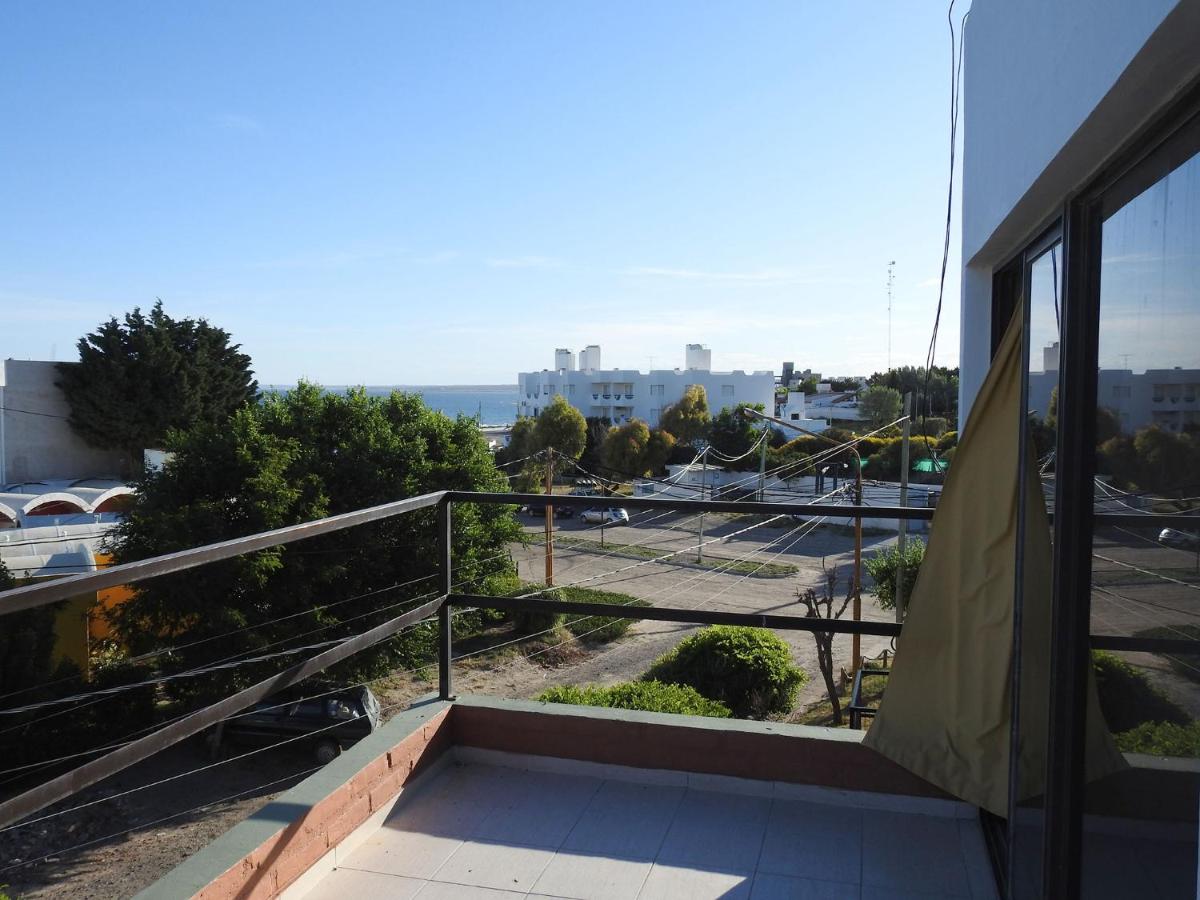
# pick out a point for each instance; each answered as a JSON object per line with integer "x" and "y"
{"x": 902, "y": 533}
{"x": 762, "y": 467}
{"x": 891, "y": 282}
{"x": 703, "y": 491}
{"x": 856, "y": 650}
{"x": 549, "y": 518}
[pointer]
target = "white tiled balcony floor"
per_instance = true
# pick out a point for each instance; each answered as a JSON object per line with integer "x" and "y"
{"x": 483, "y": 831}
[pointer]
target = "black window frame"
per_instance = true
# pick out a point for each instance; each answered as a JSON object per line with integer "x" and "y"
{"x": 1166, "y": 142}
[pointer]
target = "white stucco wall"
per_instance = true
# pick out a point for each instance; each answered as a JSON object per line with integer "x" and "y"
{"x": 36, "y": 443}
{"x": 1051, "y": 90}
{"x": 642, "y": 395}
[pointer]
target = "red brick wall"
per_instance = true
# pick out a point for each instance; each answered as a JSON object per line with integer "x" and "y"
{"x": 778, "y": 756}
{"x": 289, "y": 853}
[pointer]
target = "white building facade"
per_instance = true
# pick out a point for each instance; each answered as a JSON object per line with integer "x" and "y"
{"x": 1081, "y": 227}
{"x": 620, "y": 395}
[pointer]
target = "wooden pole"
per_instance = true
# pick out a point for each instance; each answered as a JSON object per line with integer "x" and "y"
{"x": 703, "y": 489}
{"x": 856, "y": 650}
{"x": 549, "y": 518}
{"x": 902, "y": 534}
{"x": 762, "y": 466}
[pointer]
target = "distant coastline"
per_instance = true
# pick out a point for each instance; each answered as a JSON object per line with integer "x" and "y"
{"x": 418, "y": 388}
{"x": 491, "y": 404}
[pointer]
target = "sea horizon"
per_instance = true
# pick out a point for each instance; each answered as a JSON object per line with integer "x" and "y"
{"x": 491, "y": 404}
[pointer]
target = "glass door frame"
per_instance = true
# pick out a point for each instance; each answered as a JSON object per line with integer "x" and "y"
{"x": 1167, "y": 142}
{"x": 1163, "y": 146}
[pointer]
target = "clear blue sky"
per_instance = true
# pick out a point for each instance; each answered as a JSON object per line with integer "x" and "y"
{"x": 445, "y": 192}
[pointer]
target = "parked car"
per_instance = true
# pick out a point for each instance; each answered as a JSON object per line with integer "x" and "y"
{"x": 326, "y": 725}
{"x": 610, "y": 516}
{"x": 560, "y": 512}
{"x": 1173, "y": 537}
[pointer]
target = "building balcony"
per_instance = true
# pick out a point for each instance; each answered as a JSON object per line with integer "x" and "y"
{"x": 457, "y": 795}
{"x": 564, "y": 801}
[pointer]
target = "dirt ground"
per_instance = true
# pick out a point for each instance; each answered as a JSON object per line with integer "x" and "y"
{"x": 151, "y": 839}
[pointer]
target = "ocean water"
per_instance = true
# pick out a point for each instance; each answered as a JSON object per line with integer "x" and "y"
{"x": 494, "y": 404}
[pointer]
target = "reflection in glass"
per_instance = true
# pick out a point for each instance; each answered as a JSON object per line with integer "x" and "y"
{"x": 1044, "y": 316}
{"x": 1146, "y": 580}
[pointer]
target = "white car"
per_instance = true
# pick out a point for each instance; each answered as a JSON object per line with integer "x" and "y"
{"x": 611, "y": 516}
{"x": 1184, "y": 540}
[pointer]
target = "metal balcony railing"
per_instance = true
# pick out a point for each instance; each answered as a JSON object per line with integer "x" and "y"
{"x": 44, "y": 593}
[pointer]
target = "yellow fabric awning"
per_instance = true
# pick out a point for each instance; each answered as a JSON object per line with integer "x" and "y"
{"x": 946, "y": 712}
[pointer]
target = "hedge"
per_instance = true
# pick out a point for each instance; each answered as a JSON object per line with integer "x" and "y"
{"x": 1127, "y": 698}
{"x": 597, "y": 629}
{"x": 750, "y": 670}
{"x": 648, "y": 696}
{"x": 1162, "y": 739}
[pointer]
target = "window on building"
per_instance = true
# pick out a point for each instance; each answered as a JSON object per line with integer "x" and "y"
{"x": 1121, "y": 391}
{"x": 727, "y": 390}
{"x": 658, "y": 390}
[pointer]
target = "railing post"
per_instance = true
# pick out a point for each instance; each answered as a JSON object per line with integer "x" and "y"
{"x": 445, "y": 644}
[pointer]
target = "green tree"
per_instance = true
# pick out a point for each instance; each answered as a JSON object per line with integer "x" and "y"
{"x": 562, "y": 427}
{"x": 658, "y": 450}
{"x": 521, "y": 443}
{"x": 1166, "y": 461}
{"x": 138, "y": 379}
{"x": 625, "y": 448}
{"x": 880, "y": 404}
{"x": 593, "y": 453}
{"x": 882, "y": 569}
{"x": 26, "y": 643}
{"x": 808, "y": 385}
{"x": 297, "y": 457}
{"x": 936, "y": 395}
{"x": 733, "y": 434}
{"x": 689, "y": 418}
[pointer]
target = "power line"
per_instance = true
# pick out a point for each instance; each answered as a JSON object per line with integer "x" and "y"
{"x": 30, "y": 412}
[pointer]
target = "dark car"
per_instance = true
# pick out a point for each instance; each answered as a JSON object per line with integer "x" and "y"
{"x": 325, "y": 725}
{"x": 560, "y": 512}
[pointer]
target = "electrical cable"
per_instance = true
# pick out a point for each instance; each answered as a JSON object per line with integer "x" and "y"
{"x": 117, "y": 834}
{"x": 956, "y": 56}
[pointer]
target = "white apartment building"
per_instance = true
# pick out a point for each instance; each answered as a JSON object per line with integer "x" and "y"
{"x": 623, "y": 394}
{"x": 1168, "y": 398}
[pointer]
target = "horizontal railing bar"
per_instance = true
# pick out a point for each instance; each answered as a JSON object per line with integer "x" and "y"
{"x": 35, "y": 595}
{"x": 908, "y": 513}
{"x": 1144, "y": 645}
{"x": 123, "y": 757}
{"x": 1154, "y": 519}
{"x": 671, "y": 614}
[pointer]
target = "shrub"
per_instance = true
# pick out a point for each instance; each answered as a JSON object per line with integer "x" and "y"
{"x": 597, "y": 629}
{"x": 648, "y": 696}
{"x": 947, "y": 441}
{"x": 933, "y": 426}
{"x": 750, "y": 670}
{"x": 882, "y": 569}
{"x": 1127, "y": 698}
{"x": 885, "y": 464}
{"x": 1162, "y": 739}
{"x": 869, "y": 446}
